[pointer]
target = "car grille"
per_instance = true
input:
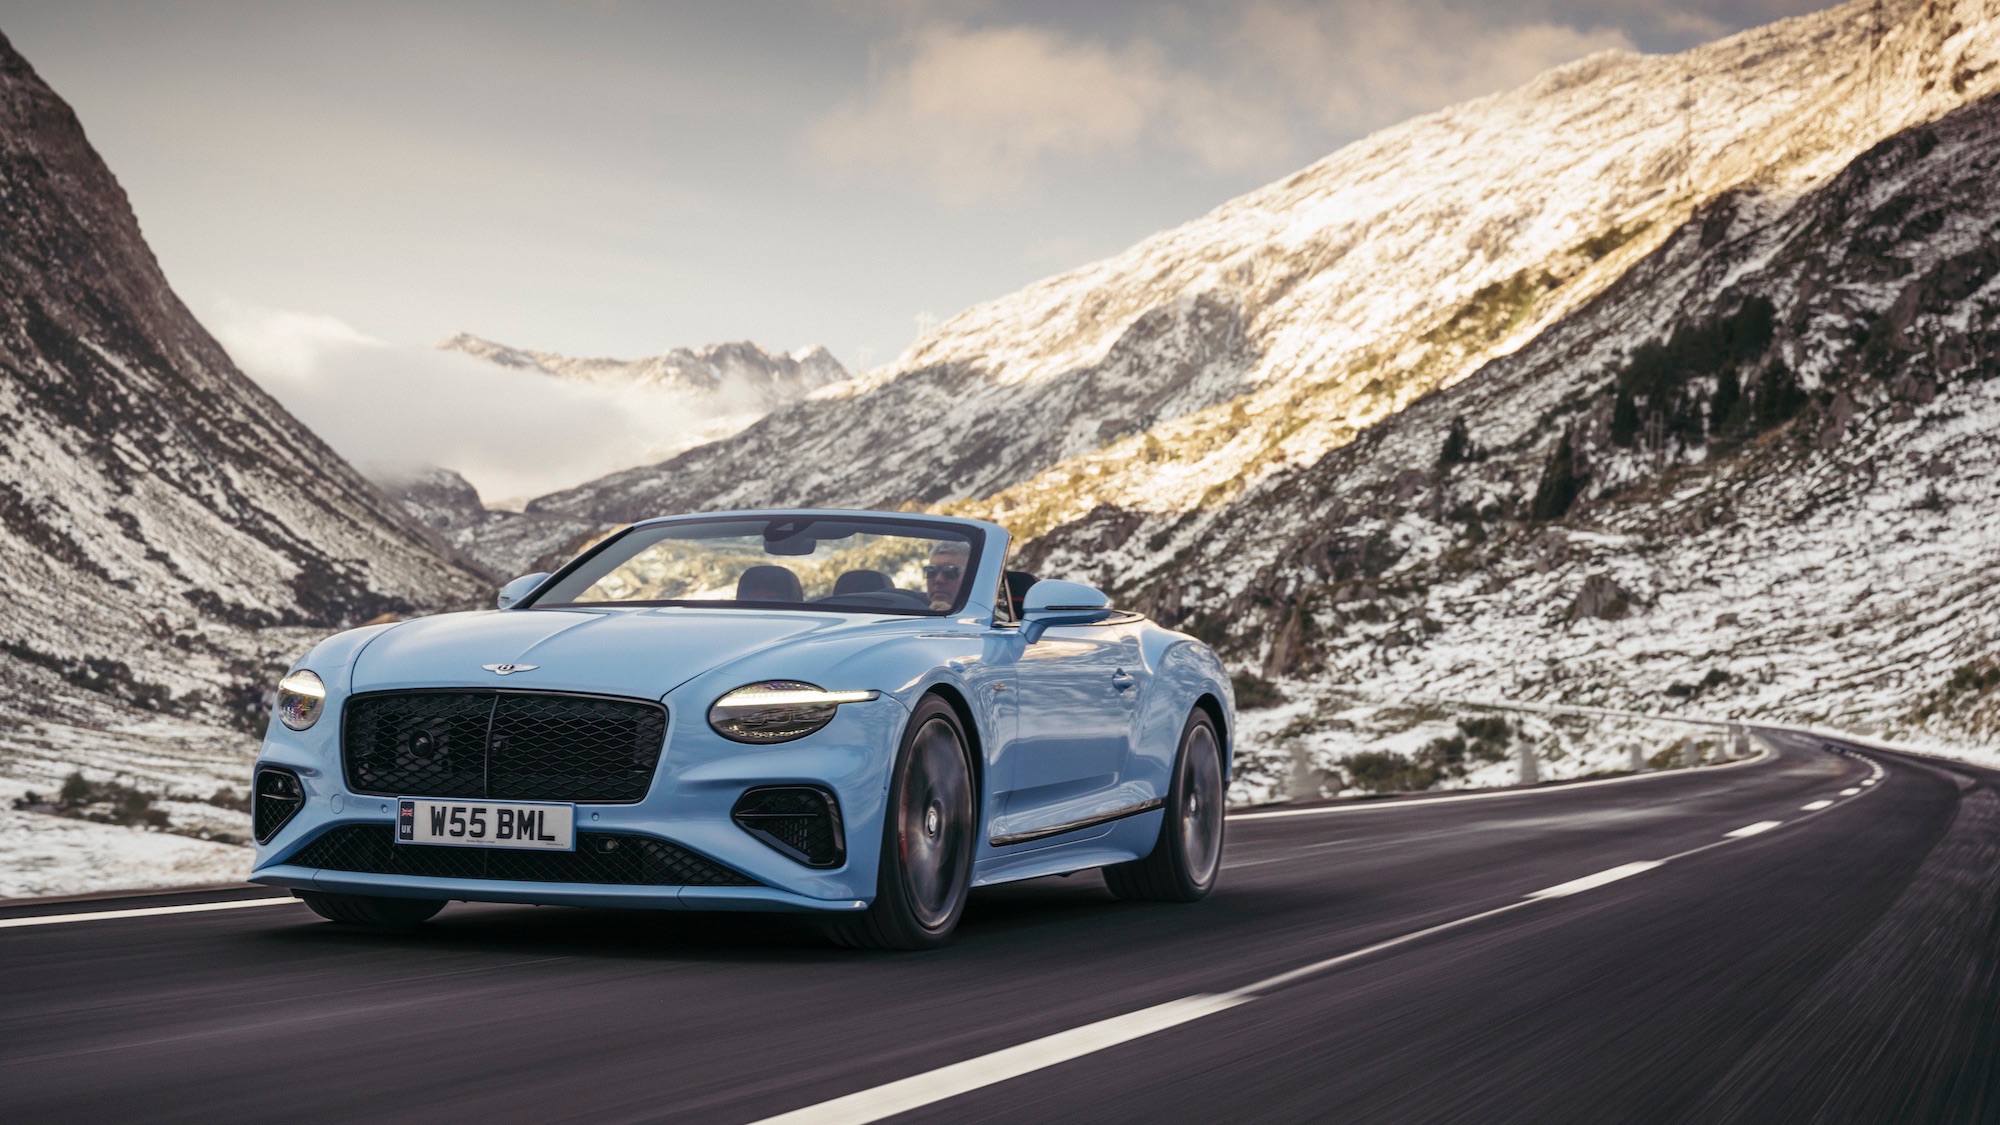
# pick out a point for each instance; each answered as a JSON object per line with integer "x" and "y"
{"x": 600, "y": 857}
{"x": 510, "y": 745}
{"x": 800, "y": 821}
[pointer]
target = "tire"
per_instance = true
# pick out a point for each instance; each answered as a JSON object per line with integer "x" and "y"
{"x": 370, "y": 910}
{"x": 927, "y": 840}
{"x": 1186, "y": 860}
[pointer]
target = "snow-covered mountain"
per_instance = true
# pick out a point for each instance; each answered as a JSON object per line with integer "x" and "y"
{"x": 162, "y": 520}
{"x": 725, "y": 387}
{"x": 740, "y": 373}
{"x": 1759, "y": 476}
{"x": 1286, "y": 322}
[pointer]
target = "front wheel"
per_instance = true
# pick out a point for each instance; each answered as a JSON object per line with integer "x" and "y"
{"x": 1187, "y": 857}
{"x": 927, "y": 840}
{"x": 372, "y": 910}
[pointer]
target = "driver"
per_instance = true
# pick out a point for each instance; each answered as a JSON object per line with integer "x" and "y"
{"x": 945, "y": 572}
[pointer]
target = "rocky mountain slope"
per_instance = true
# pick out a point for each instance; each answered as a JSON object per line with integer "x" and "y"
{"x": 162, "y": 520}
{"x": 1286, "y": 322}
{"x": 1758, "y": 476}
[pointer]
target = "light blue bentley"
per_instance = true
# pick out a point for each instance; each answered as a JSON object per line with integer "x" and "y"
{"x": 858, "y": 714}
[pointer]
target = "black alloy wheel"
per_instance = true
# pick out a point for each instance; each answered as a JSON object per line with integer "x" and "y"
{"x": 1187, "y": 857}
{"x": 372, "y": 910}
{"x": 927, "y": 840}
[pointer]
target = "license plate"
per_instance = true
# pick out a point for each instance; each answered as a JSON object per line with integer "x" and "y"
{"x": 486, "y": 824}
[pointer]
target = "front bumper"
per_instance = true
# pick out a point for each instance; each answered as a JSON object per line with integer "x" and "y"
{"x": 700, "y": 777}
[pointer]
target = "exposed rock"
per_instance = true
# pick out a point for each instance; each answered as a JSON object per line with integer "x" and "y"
{"x": 1600, "y": 598}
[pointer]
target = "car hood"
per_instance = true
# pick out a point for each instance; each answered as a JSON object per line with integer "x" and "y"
{"x": 633, "y": 652}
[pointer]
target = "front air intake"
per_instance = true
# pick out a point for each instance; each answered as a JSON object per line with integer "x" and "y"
{"x": 801, "y": 821}
{"x": 276, "y": 797}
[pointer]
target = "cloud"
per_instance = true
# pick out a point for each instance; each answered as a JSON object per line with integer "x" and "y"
{"x": 975, "y": 113}
{"x": 392, "y": 409}
{"x": 1361, "y": 67}
{"x": 971, "y": 112}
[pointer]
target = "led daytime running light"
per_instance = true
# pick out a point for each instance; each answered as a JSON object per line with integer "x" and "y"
{"x": 764, "y": 697}
{"x": 778, "y": 710}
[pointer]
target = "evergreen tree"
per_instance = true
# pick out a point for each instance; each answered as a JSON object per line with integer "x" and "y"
{"x": 1779, "y": 396}
{"x": 1457, "y": 444}
{"x": 1728, "y": 393}
{"x": 1687, "y": 419}
{"x": 1559, "y": 484}
{"x": 1624, "y": 419}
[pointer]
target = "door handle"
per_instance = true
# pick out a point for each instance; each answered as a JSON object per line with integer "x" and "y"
{"x": 1121, "y": 679}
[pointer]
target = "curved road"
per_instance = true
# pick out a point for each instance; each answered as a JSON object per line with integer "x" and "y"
{"x": 1516, "y": 957}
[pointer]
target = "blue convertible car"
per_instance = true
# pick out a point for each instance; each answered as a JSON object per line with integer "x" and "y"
{"x": 857, "y": 714}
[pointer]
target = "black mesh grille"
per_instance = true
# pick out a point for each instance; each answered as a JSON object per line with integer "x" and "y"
{"x": 800, "y": 821}
{"x": 523, "y": 746}
{"x": 278, "y": 797}
{"x": 600, "y": 857}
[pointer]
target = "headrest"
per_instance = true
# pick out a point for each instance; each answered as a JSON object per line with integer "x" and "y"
{"x": 1018, "y": 582}
{"x": 861, "y": 582}
{"x": 769, "y": 584}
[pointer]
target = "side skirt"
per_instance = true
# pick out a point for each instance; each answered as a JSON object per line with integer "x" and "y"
{"x": 1029, "y": 837}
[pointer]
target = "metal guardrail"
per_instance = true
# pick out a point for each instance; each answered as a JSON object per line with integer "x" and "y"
{"x": 1728, "y": 740}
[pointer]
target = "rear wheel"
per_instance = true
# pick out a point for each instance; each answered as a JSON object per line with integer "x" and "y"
{"x": 927, "y": 840}
{"x": 1187, "y": 857}
{"x": 372, "y": 910}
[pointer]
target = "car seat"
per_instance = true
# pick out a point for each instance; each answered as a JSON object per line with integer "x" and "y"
{"x": 769, "y": 584}
{"x": 1018, "y": 582}
{"x": 861, "y": 582}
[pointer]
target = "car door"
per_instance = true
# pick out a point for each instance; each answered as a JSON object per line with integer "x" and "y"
{"x": 1079, "y": 687}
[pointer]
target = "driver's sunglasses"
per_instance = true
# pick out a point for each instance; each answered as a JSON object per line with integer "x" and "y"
{"x": 948, "y": 571}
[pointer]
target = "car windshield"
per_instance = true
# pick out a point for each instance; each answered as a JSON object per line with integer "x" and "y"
{"x": 860, "y": 564}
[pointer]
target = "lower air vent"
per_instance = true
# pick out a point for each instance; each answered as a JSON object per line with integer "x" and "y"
{"x": 600, "y": 857}
{"x": 277, "y": 798}
{"x": 798, "y": 820}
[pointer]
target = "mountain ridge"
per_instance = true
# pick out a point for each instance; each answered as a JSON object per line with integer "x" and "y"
{"x": 173, "y": 536}
{"x": 1263, "y": 334}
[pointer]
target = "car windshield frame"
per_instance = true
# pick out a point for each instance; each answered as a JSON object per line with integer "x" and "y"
{"x": 591, "y": 561}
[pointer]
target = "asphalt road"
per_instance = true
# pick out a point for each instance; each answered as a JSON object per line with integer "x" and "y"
{"x": 1842, "y": 965}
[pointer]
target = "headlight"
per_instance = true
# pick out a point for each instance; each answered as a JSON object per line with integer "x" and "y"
{"x": 301, "y": 697}
{"x": 778, "y": 710}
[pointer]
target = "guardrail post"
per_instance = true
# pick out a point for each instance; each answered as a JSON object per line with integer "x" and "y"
{"x": 1530, "y": 770}
{"x": 1690, "y": 753}
{"x": 1638, "y": 757}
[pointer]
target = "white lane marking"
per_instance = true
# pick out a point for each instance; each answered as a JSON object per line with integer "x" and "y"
{"x": 960, "y": 1078}
{"x": 146, "y": 912}
{"x": 1752, "y": 829}
{"x": 1849, "y": 792}
{"x": 1868, "y": 781}
{"x": 1564, "y": 787}
{"x": 1608, "y": 875}
{"x": 1816, "y": 806}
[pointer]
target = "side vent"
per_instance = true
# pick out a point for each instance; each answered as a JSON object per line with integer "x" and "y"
{"x": 800, "y": 821}
{"x": 278, "y": 798}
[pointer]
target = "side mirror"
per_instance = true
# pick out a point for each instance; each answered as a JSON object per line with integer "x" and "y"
{"x": 519, "y": 588}
{"x": 1053, "y": 602}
